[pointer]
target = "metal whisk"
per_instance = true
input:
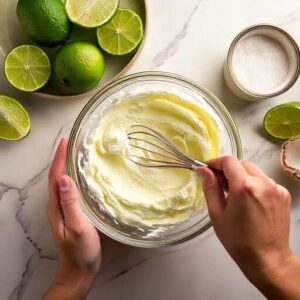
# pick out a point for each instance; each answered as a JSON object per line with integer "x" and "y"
{"x": 162, "y": 153}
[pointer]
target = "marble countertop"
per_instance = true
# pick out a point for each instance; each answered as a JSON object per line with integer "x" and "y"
{"x": 190, "y": 38}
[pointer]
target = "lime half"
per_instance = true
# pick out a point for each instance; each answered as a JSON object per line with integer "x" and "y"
{"x": 14, "y": 119}
{"x": 27, "y": 68}
{"x": 91, "y": 13}
{"x": 283, "y": 121}
{"x": 293, "y": 103}
{"x": 122, "y": 34}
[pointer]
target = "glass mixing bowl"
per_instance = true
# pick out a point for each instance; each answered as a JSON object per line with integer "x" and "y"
{"x": 92, "y": 114}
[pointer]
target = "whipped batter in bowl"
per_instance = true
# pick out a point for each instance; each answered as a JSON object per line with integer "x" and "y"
{"x": 133, "y": 194}
{"x": 141, "y": 206}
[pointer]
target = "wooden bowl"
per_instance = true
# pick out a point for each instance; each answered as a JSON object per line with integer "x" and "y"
{"x": 12, "y": 35}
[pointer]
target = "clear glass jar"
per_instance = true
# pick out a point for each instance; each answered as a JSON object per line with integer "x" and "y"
{"x": 288, "y": 44}
{"x": 92, "y": 114}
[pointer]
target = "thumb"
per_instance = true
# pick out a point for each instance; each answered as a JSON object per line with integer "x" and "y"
{"x": 213, "y": 192}
{"x": 69, "y": 201}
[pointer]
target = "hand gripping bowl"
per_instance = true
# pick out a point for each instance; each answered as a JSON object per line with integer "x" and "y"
{"x": 92, "y": 113}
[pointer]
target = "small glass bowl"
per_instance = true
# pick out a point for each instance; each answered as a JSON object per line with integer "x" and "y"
{"x": 92, "y": 114}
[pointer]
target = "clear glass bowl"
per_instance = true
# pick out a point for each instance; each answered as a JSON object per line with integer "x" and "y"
{"x": 92, "y": 114}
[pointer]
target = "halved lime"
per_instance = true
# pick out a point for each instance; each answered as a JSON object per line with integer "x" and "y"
{"x": 27, "y": 68}
{"x": 122, "y": 34}
{"x": 14, "y": 119}
{"x": 91, "y": 13}
{"x": 293, "y": 103}
{"x": 283, "y": 121}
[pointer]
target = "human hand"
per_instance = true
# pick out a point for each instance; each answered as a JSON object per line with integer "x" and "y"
{"x": 77, "y": 240}
{"x": 252, "y": 221}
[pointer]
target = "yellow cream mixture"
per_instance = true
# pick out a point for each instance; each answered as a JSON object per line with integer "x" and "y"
{"x": 141, "y": 196}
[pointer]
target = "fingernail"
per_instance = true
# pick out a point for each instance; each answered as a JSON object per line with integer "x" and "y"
{"x": 63, "y": 184}
{"x": 61, "y": 142}
{"x": 64, "y": 140}
{"x": 201, "y": 172}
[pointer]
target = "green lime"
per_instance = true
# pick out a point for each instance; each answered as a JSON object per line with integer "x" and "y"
{"x": 293, "y": 103}
{"x": 14, "y": 119}
{"x": 27, "y": 68}
{"x": 283, "y": 121}
{"x": 122, "y": 34}
{"x": 79, "y": 66}
{"x": 87, "y": 13}
{"x": 46, "y": 22}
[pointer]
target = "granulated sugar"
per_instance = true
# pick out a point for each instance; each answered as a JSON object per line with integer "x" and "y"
{"x": 260, "y": 64}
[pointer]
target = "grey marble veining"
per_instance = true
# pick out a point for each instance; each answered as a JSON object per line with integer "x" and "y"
{"x": 292, "y": 17}
{"x": 170, "y": 49}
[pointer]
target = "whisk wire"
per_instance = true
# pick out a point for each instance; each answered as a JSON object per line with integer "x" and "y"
{"x": 174, "y": 157}
{"x": 160, "y": 163}
{"x": 158, "y": 136}
{"x": 168, "y": 165}
{"x": 156, "y": 153}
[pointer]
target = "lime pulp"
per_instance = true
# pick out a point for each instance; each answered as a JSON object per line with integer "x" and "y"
{"x": 283, "y": 121}
{"x": 91, "y": 14}
{"x": 27, "y": 68}
{"x": 14, "y": 119}
{"x": 122, "y": 34}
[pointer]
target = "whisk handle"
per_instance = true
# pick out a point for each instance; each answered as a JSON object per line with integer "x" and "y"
{"x": 221, "y": 178}
{"x": 219, "y": 174}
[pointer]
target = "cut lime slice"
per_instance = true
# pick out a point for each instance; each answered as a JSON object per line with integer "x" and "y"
{"x": 14, "y": 119}
{"x": 91, "y": 13}
{"x": 27, "y": 68}
{"x": 294, "y": 103}
{"x": 283, "y": 121}
{"x": 122, "y": 34}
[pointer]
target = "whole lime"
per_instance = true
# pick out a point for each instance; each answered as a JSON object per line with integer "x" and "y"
{"x": 79, "y": 66}
{"x": 46, "y": 22}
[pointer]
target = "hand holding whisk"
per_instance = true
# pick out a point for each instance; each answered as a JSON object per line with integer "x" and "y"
{"x": 162, "y": 153}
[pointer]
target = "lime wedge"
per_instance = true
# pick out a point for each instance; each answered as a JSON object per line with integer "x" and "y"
{"x": 283, "y": 121}
{"x": 27, "y": 68}
{"x": 14, "y": 119}
{"x": 122, "y": 34}
{"x": 91, "y": 13}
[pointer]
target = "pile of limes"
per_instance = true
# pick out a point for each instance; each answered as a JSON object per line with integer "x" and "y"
{"x": 77, "y": 65}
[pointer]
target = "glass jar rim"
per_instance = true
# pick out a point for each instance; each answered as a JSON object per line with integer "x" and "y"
{"x": 270, "y": 28}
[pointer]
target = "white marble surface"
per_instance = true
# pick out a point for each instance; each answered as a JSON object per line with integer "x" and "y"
{"x": 190, "y": 38}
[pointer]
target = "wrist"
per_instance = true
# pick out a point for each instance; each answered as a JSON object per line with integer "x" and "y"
{"x": 72, "y": 276}
{"x": 70, "y": 284}
{"x": 275, "y": 279}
